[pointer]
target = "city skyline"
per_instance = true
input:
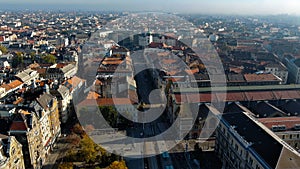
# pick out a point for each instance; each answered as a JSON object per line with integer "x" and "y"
{"x": 254, "y": 7}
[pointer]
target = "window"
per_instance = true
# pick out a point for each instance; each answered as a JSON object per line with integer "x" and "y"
{"x": 16, "y": 160}
{"x": 251, "y": 161}
{"x": 283, "y": 137}
{"x": 13, "y": 150}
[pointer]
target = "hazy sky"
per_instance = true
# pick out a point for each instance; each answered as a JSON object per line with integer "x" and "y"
{"x": 186, "y": 6}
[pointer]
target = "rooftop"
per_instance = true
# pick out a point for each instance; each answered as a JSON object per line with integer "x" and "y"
{"x": 18, "y": 126}
{"x": 261, "y": 141}
{"x": 105, "y": 102}
{"x": 288, "y": 122}
{"x": 291, "y": 107}
{"x": 235, "y": 78}
{"x": 264, "y": 109}
{"x": 284, "y": 88}
{"x": 260, "y": 77}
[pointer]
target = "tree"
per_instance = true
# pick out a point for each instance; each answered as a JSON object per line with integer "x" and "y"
{"x": 67, "y": 165}
{"x": 32, "y": 55}
{"x": 110, "y": 114}
{"x": 77, "y": 129}
{"x": 114, "y": 156}
{"x": 71, "y": 155}
{"x": 3, "y": 49}
{"x": 74, "y": 139}
{"x": 89, "y": 152}
{"x": 17, "y": 59}
{"x": 49, "y": 58}
{"x": 117, "y": 165}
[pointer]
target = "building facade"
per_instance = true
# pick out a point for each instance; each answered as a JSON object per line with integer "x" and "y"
{"x": 243, "y": 142}
{"x": 11, "y": 155}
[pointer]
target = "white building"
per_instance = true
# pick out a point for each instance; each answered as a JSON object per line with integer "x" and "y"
{"x": 278, "y": 70}
{"x": 27, "y": 76}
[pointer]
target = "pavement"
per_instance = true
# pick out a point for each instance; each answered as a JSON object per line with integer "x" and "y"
{"x": 59, "y": 151}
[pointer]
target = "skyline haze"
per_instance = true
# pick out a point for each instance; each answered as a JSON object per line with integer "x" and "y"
{"x": 254, "y": 7}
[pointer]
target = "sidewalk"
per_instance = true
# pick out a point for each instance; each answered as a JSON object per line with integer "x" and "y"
{"x": 59, "y": 150}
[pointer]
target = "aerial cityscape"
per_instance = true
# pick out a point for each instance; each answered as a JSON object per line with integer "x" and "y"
{"x": 150, "y": 85}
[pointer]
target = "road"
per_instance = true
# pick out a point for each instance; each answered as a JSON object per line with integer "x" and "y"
{"x": 145, "y": 86}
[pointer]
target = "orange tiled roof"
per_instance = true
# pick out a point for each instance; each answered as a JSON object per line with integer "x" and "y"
{"x": 111, "y": 59}
{"x": 98, "y": 82}
{"x": 15, "y": 83}
{"x": 12, "y": 85}
{"x": 74, "y": 81}
{"x": 113, "y": 62}
{"x": 169, "y": 61}
{"x": 61, "y": 65}
{"x": 93, "y": 95}
{"x": 6, "y": 87}
{"x": 192, "y": 71}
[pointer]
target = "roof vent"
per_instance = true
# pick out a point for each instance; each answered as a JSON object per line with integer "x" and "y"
{"x": 278, "y": 127}
{"x": 297, "y": 127}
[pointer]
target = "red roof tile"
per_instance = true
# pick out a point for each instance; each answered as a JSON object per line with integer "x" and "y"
{"x": 18, "y": 126}
{"x": 237, "y": 96}
{"x": 288, "y": 94}
{"x": 61, "y": 65}
{"x": 231, "y": 96}
{"x": 106, "y": 102}
{"x": 194, "y": 98}
{"x": 260, "y": 77}
{"x": 260, "y": 95}
{"x": 289, "y": 122}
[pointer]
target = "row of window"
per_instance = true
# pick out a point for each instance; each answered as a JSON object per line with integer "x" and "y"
{"x": 291, "y": 136}
{"x": 235, "y": 148}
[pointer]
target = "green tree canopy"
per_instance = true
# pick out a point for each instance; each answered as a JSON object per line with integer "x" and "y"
{"x": 49, "y": 58}
{"x": 110, "y": 114}
{"x": 17, "y": 59}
